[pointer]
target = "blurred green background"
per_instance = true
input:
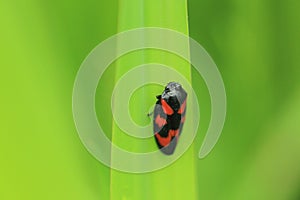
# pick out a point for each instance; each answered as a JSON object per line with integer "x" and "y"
{"x": 255, "y": 44}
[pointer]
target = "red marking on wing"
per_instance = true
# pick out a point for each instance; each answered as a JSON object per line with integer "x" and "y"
{"x": 160, "y": 121}
{"x": 182, "y": 107}
{"x": 182, "y": 119}
{"x": 166, "y": 108}
{"x": 173, "y": 133}
{"x": 164, "y": 141}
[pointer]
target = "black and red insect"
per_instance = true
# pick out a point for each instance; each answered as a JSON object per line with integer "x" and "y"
{"x": 169, "y": 116}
